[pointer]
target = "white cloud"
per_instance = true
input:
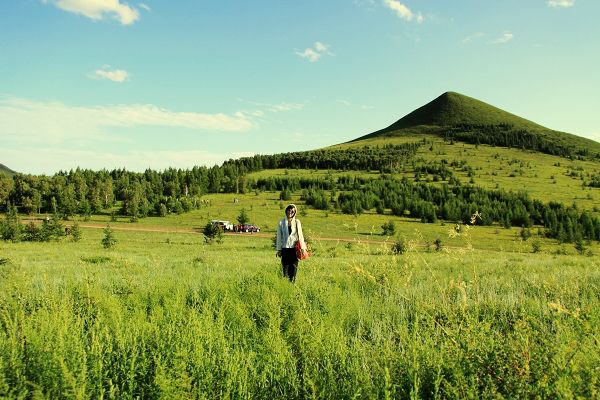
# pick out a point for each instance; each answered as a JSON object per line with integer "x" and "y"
{"x": 285, "y": 107}
{"x": 561, "y": 3}
{"x": 98, "y": 9}
{"x": 273, "y": 108}
{"x": 144, "y": 7}
{"x": 54, "y": 122}
{"x": 505, "y": 38}
{"x": 310, "y": 55}
{"x": 115, "y": 75}
{"x": 403, "y": 11}
{"x": 315, "y": 54}
{"x": 473, "y": 37}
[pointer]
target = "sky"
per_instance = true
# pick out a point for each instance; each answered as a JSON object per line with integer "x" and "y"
{"x": 157, "y": 84}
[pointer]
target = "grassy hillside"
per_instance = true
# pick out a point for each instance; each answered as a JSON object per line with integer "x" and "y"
{"x": 458, "y": 117}
{"x": 4, "y": 170}
{"x": 543, "y": 176}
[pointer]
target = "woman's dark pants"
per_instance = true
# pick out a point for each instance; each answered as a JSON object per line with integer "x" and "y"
{"x": 289, "y": 262}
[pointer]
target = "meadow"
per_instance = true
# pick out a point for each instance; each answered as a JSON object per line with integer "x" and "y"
{"x": 166, "y": 315}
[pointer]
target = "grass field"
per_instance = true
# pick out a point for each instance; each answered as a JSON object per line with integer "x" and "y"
{"x": 164, "y": 315}
{"x": 265, "y": 210}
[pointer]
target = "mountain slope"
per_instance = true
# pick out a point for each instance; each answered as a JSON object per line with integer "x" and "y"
{"x": 4, "y": 170}
{"x": 458, "y": 117}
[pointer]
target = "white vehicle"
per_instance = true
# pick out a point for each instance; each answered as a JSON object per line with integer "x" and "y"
{"x": 225, "y": 225}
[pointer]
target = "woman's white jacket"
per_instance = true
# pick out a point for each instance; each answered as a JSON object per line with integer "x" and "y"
{"x": 288, "y": 240}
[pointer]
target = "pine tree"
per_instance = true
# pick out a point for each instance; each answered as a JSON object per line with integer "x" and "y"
{"x": 109, "y": 240}
{"x": 11, "y": 227}
{"x": 76, "y": 232}
{"x": 243, "y": 217}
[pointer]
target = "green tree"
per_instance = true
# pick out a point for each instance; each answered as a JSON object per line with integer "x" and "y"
{"x": 285, "y": 194}
{"x": 85, "y": 209}
{"x": 212, "y": 232}
{"x": 11, "y": 227}
{"x": 400, "y": 247}
{"x": 76, "y": 232}
{"x": 579, "y": 245}
{"x": 243, "y": 217}
{"x": 108, "y": 240}
{"x": 389, "y": 228}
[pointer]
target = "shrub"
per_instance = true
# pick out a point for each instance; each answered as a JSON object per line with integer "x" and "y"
{"x": 525, "y": 233}
{"x": 389, "y": 228}
{"x": 243, "y": 217}
{"x": 76, "y": 232}
{"x": 579, "y": 246}
{"x": 109, "y": 239}
{"x": 400, "y": 246}
{"x": 212, "y": 233}
{"x": 285, "y": 194}
{"x": 11, "y": 227}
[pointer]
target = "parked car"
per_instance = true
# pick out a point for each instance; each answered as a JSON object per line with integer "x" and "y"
{"x": 224, "y": 225}
{"x": 246, "y": 228}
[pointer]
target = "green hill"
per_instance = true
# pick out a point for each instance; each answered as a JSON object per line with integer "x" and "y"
{"x": 4, "y": 170}
{"x": 454, "y": 116}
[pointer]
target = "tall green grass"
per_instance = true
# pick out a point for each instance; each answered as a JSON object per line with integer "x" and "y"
{"x": 166, "y": 316}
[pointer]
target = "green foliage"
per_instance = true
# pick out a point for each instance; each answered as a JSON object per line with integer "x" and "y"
{"x": 400, "y": 246}
{"x": 243, "y": 218}
{"x": 76, "y": 232}
{"x": 316, "y": 198}
{"x": 11, "y": 227}
{"x": 108, "y": 241}
{"x": 212, "y": 233}
{"x": 580, "y": 246}
{"x": 389, "y": 228}
{"x": 525, "y": 233}
{"x": 285, "y": 195}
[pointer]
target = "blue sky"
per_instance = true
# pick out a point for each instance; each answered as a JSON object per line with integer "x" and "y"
{"x": 158, "y": 84}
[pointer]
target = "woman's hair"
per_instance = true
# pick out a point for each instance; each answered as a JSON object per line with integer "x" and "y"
{"x": 291, "y": 207}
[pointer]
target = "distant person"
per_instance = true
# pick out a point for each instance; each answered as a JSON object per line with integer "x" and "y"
{"x": 289, "y": 231}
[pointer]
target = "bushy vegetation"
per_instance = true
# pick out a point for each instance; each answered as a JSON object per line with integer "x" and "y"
{"x": 212, "y": 233}
{"x": 180, "y": 319}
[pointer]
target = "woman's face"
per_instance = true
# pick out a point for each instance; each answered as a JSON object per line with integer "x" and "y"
{"x": 290, "y": 212}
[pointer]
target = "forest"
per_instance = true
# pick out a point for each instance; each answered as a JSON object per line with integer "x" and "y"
{"x": 507, "y": 135}
{"x": 158, "y": 193}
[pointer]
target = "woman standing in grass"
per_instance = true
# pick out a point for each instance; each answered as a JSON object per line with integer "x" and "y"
{"x": 289, "y": 231}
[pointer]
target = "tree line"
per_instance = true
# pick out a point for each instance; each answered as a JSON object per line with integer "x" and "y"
{"x": 84, "y": 192}
{"x": 366, "y": 158}
{"x": 458, "y": 203}
{"x": 508, "y": 136}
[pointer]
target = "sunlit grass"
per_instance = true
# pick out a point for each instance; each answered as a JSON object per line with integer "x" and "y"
{"x": 164, "y": 315}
